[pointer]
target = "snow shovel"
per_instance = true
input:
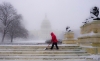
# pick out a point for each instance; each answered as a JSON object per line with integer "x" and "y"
{"x": 47, "y": 47}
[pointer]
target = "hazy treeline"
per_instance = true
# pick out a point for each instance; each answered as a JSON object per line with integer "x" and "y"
{"x": 10, "y": 23}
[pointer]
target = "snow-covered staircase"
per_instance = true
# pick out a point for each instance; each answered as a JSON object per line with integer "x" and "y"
{"x": 38, "y": 53}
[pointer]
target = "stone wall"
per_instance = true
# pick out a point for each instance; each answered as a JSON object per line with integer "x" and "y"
{"x": 89, "y": 39}
{"x": 69, "y": 38}
{"x": 93, "y": 26}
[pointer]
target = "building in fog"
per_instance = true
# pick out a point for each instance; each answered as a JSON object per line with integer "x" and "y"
{"x": 45, "y": 29}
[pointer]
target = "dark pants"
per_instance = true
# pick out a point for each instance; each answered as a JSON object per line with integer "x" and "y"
{"x": 55, "y": 45}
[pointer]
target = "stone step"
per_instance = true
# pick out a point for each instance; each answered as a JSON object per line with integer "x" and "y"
{"x": 41, "y": 57}
{"x": 39, "y": 54}
{"x": 35, "y": 47}
{"x": 85, "y": 54}
{"x": 47, "y": 60}
{"x": 41, "y": 49}
{"x": 42, "y": 52}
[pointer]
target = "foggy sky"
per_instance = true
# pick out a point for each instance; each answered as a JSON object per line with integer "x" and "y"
{"x": 61, "y": 13}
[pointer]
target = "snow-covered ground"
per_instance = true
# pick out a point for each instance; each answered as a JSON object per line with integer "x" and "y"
{"x": 35, "y": 42}
{"x": 30, "y": 41}
{"x": 95, "y": 57}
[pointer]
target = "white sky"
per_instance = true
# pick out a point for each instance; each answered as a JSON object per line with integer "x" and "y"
{"x": 61, "y": 13}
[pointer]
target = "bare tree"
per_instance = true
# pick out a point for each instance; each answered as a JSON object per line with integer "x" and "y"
{"x": 7, "y": 15}
{"x": 16, "y": 30}
{"x": 13, "y": 27}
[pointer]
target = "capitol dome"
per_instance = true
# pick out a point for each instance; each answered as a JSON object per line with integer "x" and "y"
{"x": 46, "y": 23}
{"x": 46, "y": 29}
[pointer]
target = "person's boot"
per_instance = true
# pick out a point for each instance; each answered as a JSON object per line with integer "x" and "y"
{"x": 57, "y": 48}
{"x": 50, "y": 48}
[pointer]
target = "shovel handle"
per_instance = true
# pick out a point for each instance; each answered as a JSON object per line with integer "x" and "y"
{"x": 49, "y": 44}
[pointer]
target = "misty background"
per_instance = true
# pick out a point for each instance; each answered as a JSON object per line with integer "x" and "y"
{"x": 61, "y": 13}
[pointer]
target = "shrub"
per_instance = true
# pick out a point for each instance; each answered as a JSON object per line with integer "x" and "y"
{"x": 49, "y": 41}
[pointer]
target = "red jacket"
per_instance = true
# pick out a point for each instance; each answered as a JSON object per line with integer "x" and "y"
{"x": 54, "y": 39}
